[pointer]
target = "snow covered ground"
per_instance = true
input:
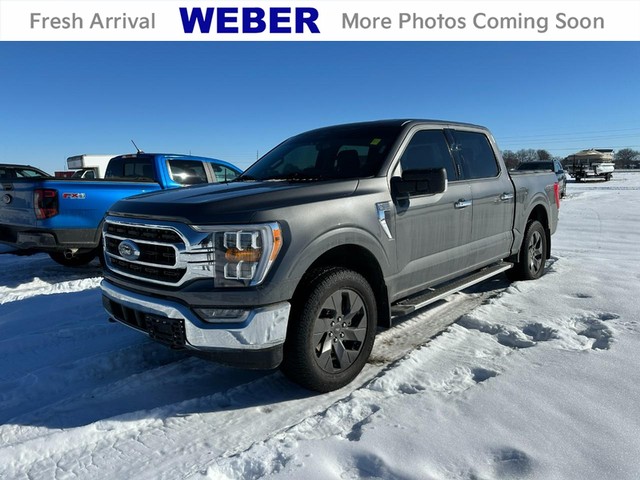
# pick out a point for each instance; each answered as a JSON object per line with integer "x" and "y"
{"x": 533, "y": 380}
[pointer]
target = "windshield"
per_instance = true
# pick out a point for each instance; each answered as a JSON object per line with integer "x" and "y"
{"x": 348, "y": 151}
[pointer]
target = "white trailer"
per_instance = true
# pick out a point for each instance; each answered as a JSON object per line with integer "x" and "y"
{"x": 89, "y": 166}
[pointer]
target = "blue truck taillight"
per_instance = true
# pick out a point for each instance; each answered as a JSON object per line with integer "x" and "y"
{"x": 45, "y": 203}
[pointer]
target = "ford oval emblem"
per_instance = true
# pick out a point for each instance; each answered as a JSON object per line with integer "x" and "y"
{"x": 129, "y": 250}
{"x": 6, "y": 198}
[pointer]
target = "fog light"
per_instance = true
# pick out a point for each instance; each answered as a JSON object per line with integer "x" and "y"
{"x": 222, "y": 315}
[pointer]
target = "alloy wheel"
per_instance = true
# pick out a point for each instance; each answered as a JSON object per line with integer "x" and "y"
{"x": 339, "y": 330}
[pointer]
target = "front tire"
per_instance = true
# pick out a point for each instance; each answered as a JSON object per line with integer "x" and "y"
{"x": 533, "y": 254}
{"x": 331, "y": 330}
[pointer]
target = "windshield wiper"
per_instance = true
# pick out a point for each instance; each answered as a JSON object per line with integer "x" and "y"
{"x": 244, "y": 178}
{"x": 289, "y": 177}
{"x": 299, "y": 177}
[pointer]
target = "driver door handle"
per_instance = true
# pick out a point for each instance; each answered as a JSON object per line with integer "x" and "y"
{"x": 462, "y": 203}
{"x": 506, "y": 196}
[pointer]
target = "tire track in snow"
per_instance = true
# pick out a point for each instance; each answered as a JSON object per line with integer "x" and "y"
{"x": 347, "y": 417}
{"x": 469, "y": 353}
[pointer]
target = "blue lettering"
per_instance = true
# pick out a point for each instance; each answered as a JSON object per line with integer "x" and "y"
{"x": 253, "y": 20}
{"x": 224, "y": 18}
{"x": 249, "y": 20}
{"x": 189, "y": 22}
{"x": 275, "y": 18}
{"x": 308, "y": 17}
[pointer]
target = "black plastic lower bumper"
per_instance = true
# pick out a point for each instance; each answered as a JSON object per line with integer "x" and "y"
{"x": 49, "y": 240}
{"x": 263, "y": 359}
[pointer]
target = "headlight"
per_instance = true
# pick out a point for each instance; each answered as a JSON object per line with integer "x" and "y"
{"x": 243, "y": 254}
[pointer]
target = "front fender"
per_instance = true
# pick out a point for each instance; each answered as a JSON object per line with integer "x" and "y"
{"x": 382, "y": 251}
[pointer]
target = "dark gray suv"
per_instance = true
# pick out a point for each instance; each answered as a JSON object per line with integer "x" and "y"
{"x": 553, "y": 165}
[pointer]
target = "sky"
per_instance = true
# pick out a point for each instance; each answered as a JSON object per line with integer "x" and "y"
{"x": 235, "y": 101}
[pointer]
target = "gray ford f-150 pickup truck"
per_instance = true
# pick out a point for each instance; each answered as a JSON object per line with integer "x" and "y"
{"x": 331, "y": 234}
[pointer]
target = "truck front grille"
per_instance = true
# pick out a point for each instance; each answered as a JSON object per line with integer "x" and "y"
{"x": 155, "y": 253}
{"x": 165, "y": 275}
{"x": 136, "y": 232}
{"x": 149, "y": 253}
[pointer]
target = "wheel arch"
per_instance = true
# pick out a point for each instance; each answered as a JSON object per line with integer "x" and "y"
{"x": 360, "y": 260}
{"x": 540, "y": 214}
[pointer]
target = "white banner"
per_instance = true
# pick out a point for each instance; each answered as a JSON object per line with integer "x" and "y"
{"x": 321, "y": 20}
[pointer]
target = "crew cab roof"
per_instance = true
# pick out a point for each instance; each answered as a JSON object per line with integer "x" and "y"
{"x": 400, "y": 122}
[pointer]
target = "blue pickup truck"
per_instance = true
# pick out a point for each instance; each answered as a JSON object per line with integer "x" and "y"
{"x": 63, "y": 217}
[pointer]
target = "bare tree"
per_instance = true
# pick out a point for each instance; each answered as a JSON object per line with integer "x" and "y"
{"x": 510, "y": 159}
{"x": 627, "y": 158}
{"x": 526, "y": 155}
{"x": 543, "y": 155}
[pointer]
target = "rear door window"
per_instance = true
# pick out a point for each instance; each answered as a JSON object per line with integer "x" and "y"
{"x": 478, "y": 160}
{"x": 223, "y": 174}
{"x": 187, "y": 172}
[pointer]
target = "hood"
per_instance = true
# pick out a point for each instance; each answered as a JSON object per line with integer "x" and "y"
{"x": 235, "y": 202}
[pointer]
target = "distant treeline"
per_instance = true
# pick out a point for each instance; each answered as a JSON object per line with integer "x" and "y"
{"x": 624, "y": 158}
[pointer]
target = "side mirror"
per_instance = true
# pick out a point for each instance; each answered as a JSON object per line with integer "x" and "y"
{"x": 420, "y": 182}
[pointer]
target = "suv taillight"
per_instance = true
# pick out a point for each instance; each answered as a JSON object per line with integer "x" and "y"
{"x": 45, "y": 202}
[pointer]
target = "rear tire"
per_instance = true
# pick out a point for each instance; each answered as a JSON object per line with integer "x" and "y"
{"x": 533, "y": 254}
{"x": 77, "y": 260}
{"x": 331, "y": 330}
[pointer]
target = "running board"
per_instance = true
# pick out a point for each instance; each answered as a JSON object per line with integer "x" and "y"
{"x": 432, "y": 295}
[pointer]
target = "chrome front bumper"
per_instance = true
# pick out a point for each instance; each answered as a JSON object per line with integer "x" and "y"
{"x": 264, "y": 327}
